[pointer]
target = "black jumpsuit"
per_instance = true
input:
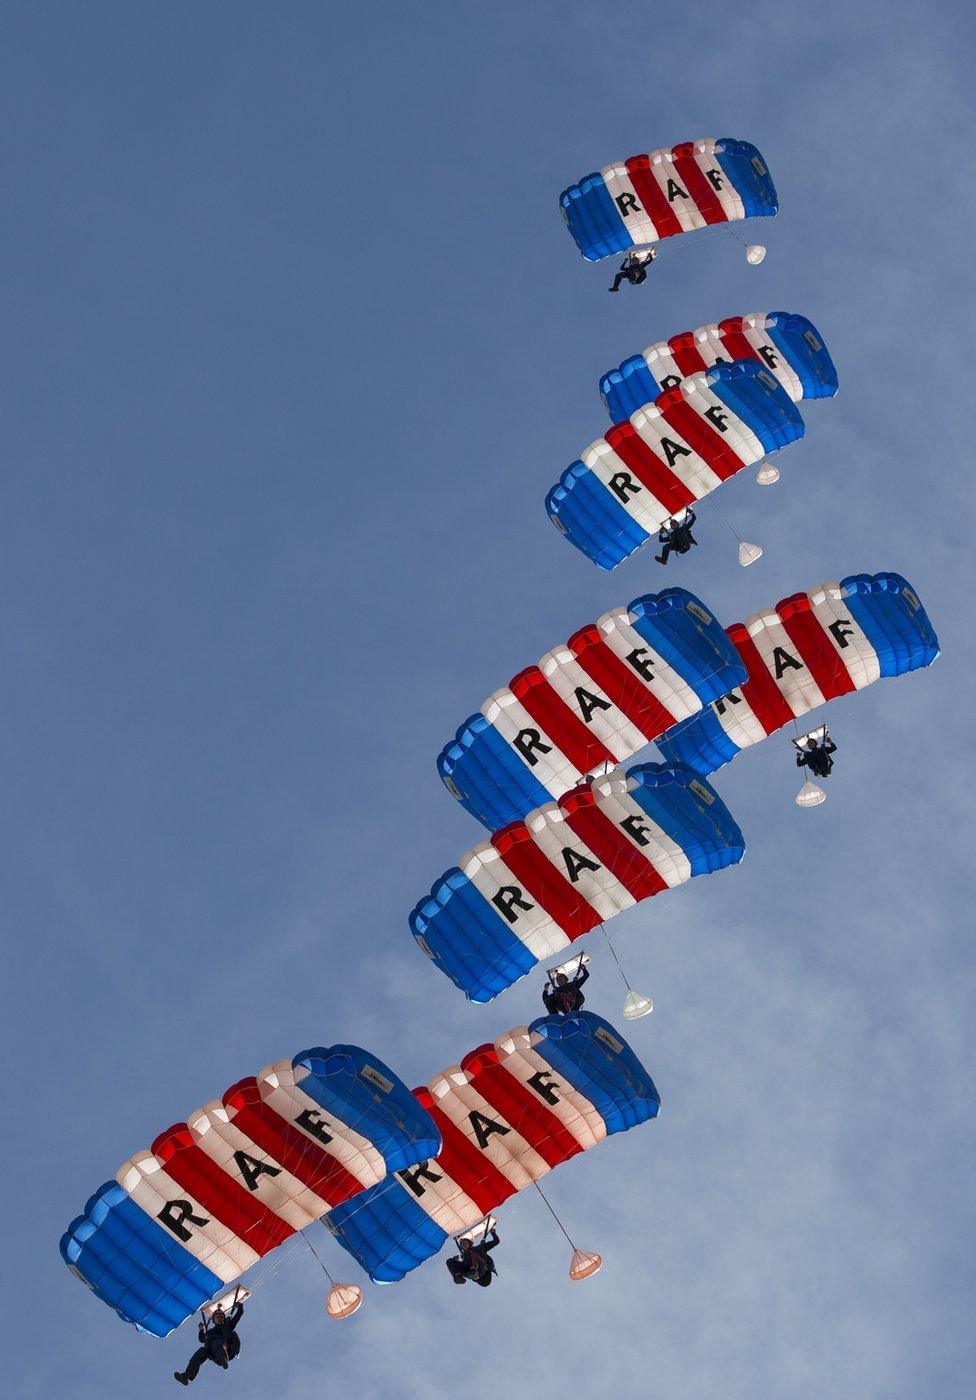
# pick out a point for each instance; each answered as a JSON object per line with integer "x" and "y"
{"x": 678, "y": 539}
{"x": 474, "y": 1264}
{"x": 818, "y": 758}
{"x": 563, "y": 1001}
{"x": 220, "y": 1342}
{"x": 633, "y": 270}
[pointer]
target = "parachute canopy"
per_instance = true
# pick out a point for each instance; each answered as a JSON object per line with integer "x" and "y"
{"x": 788, "y": 345}
{"x": 669, "y": 454}
{"x": 508, "y": 1114}
{"x": 810, "y": 648}
{"x": 612, "y": 688}
{"x": 242, "y": 1174}
{"x": 537, "y": 885}
{"x": 651, "y": 197}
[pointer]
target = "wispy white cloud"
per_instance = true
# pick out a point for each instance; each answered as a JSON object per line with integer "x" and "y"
{"x": 276, "y": 527}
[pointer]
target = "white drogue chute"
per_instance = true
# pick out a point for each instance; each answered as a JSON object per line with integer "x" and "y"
{"x": 344, "y": 1299}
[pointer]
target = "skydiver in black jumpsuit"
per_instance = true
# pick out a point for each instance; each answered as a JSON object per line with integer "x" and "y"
{"x": 815, "y": 755}
{"x": 565, "y": 995}
{"x": 219, "y": 1343}
{"x": 633, "y": 269}
{"x": 677, "y": 539}
{"x": 474, "y": 1262}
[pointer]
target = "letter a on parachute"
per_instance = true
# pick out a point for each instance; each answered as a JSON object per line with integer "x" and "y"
{"x": 663, "y": 194}
{"x": 507, "y": 1114}
{"x": 537, "y": 885}
{"x": 811, "y": 648}
{"x": 239, "y": 1177}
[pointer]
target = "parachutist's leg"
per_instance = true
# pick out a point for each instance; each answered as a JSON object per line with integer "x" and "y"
{"x": 620, "y": 277}
{"x": 662, "y": 558}
{"x": 195, "y": 1362}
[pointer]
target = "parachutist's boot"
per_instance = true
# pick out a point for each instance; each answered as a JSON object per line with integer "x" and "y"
{"x": 179, "y": 1376}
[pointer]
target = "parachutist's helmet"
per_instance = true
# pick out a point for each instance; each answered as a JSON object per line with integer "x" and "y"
{"x": 560, "y": 979}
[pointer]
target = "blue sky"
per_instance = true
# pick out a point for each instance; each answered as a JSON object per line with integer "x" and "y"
{"x": 294, "y": 345}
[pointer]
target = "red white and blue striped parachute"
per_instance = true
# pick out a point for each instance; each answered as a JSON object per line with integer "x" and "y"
{"x": 811, "y": 648}
{"x": 507, "y": 1114}
{"x": 612, "y": 688}
{"x": 652, "y": 197}
{"x": 788, "y": 345}
{"x": 537, "y": 885}
{"x": 669, "y": 454}
{"x": 242, "y": 1174}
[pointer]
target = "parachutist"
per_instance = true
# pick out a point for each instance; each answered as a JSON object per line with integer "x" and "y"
{"x": 676, "y": 537}
{"x": 474, "y": 1262}
{"x": 815, "y": 754}
{"x": 219, "y": 1343}
{"x": 633, "y": 269}
{"x": 564, "y": 996}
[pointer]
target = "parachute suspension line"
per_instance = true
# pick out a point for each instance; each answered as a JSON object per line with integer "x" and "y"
{"x": 583, "y": 1263}
{"x": 635, "y": 1005}
{"x": 344, "y": 1298}
{"x": 810, "y": 795}
{"x": 748, "y": 553}
{"x": 317, "y": 1256}
{"x": 553, "y": 1213}
{"x": 844, "y": 713}
{"x": 690, "y": 239}
{"x": 755, "y": 252}
{"x": 615, "y": 958}
{"x": 715, "y": 506}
